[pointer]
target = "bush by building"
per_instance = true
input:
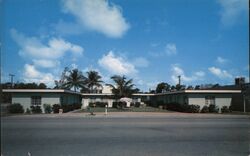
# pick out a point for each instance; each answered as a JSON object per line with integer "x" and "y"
{"x": 27, "y": 111}
{"x": 56, "y": 108}
{"x": 213, "y": 109}
{"x": 47, "y": 108}
{"x": 225, "y": 109}
{"x": 193, "y": 109}
{"x": 137, "y": 104}
{"x": 205, "y": 109}
{"x": 36, "y": 109}
{"x": 15, "y": 108}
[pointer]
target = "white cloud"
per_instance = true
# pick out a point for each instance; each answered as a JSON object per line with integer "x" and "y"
{"x": 220, "y": 73}
{"x": 98, "y": 15}
{"x": 32, "y": 47}
{"x": 221, "y": 60}
{"x": 232, "y": 10}
{"x": 45, "y": 57}
{"x": 116, "y": 64}
{"x": 141, "y": 62}
{"x": 31, "y": 74}
{"x": 46, "y": 63}
{"x": 200, "y": 73}
{"x": 177, "y": 71}
{"x": 171, "y": 49}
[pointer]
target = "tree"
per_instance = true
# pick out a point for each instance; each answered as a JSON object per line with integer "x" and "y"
{"x": 93, "y": 80}
{"x": 42, "y": 86}
{"x": 180, "y": 87}
{"x": 162, "y": 87}
{"x": 190, "y": 87}
{"x": 75, "y": 80}
{"x": 122, "y": 87}
{"x": 60, "y": 83}
{"x": 197, "y": 87}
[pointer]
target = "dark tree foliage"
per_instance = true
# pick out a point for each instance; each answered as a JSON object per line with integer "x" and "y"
{"x": 122, "y": 87}
{"x": 162, "y": 87}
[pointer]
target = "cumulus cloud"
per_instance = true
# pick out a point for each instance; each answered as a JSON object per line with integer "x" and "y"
{"x": 171, "y": 49}
{"x": 46, "y": 63}
{"x": 34, "y": 48}
{"x": 116, "y": 64}
{"x": 221, "y": 60}
{"x": 220, "y": 73}
{"x": 232, "y": 10}
{"x": 98, "y": 15}
{"x": 45, "y": 55}
{"x": 178, "y": 71}
{"x": 31, "y": 74}
{"x": 44, "y": 59}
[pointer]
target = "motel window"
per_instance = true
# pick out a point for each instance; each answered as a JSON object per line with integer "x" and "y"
{"x": 210, "y": 100}
{"x": 36, "y": 100}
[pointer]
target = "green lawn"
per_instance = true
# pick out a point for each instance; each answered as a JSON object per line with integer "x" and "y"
{"x": 132, "y": 109}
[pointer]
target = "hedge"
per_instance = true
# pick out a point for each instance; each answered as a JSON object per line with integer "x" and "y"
{"x": 15, "y": 108}
{"x": 36, "y": 109}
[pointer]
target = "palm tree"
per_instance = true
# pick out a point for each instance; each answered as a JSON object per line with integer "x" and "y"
{"x": 122, "y": 87}
{"x": 93, "y": 80}
{"x": 75, "y": 80}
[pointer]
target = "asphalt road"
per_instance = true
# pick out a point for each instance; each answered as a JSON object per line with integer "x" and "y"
{"x": 121, "y": 136}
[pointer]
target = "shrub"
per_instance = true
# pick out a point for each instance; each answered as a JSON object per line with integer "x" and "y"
{"x": 101, "y": 104}
{"x": 137, "y": 104}
{"x": 36, "y": 109}
{"x": 47, "y": 108}
{"x": 213, "y": 109}
{"x": 92, "y": 104}
{"x": 27, "y": 111}
{"x": 225, "y": 109}
{"x": 193, "y": 109}
{"x": 115, "y": 104}
{"x": 56, "y": 108}
{"x": 15, "y": 108}
{"x": 205, "y": 109}
{"x": 183, "y": 107}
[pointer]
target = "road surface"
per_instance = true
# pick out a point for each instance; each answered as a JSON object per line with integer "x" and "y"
{"x": 160, "y": 135}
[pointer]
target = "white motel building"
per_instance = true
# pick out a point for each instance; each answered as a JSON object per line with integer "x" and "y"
{"x": 29, "y": 97}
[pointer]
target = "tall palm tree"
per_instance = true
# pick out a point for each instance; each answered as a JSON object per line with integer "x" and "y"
{"x": 93, "y": 80}
{"x": 75, "y": 80}
{"x": 122, "y": 87}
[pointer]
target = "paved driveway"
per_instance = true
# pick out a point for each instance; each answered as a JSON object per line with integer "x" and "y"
{"x": 130, "y": 134}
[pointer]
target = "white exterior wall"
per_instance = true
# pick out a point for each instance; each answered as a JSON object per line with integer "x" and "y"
{"x": 23, "y": 100}
{"x": 196, "y": 99}
{"x": 220, "y": 100}
{"x": 50, "y": 100}
{"x": 85, "y": 103}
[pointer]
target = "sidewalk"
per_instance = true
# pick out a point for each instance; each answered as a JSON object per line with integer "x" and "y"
{"x": 134, "y": 115}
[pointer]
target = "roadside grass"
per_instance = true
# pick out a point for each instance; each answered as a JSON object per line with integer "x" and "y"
{"x": 132, "y": 109}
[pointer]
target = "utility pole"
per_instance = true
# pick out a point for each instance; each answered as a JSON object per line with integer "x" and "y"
{"x": 179, "y": 78}
{"x": 11, "y": 79}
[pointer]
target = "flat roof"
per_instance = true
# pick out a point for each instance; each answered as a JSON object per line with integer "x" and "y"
{"x": 40, "y": 91}
{"x": 201, "y": 92}
{"x": 109, "y": 94}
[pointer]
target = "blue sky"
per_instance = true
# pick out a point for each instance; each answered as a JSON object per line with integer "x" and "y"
{"x": 204, "y": 41}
